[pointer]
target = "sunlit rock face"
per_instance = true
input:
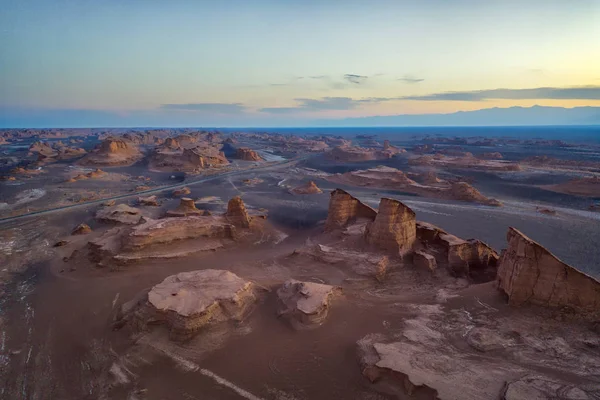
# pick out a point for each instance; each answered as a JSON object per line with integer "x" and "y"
{"x": 345, "y": 209}
{"x": 394, "y": 228}
{"x": 528, "y": 273}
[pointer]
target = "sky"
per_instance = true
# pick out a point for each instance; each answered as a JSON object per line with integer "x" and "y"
{"x": 289, "y": 62}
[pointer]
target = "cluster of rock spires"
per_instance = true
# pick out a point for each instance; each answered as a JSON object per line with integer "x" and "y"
{"x": 189, "y": 302}
{"x": 526, "y": 272}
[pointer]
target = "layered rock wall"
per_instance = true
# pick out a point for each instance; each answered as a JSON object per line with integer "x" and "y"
{"x": 394, "y": 227}
{"x": 344, "y": 209}
{"x": 528, "y": 273}
{"x": 237, "y": 214}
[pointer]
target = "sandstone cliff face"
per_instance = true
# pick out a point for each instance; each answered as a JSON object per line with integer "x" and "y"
{"x": 345, "y": 209}
{"x": 167, "y": 230}
{"x": 244, "y": 153}
{"x": 394, "y": 228}
{"x": 528, "y": 273}
{"x": 237, "y": 214}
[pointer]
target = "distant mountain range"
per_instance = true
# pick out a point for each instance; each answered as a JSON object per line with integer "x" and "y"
{"x": 513, "y": 116}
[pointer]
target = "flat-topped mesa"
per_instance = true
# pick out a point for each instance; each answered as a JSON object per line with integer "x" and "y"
{"x": 114, "y": 146}
{"x": 112, "y": 152}
{"x": 345, "y": 209}
{"x": 237, "y": 214}
{"x": 247, "y": 154}
{"x": 189, "y": 301}
{"x": 528, "y": 273}
{"x": 186, "y": 207}
{"x": 394, "y": 228}
{"x": 167, "y": 230}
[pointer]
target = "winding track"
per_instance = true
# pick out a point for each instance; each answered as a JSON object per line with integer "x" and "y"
{"x": 230, "y": 174}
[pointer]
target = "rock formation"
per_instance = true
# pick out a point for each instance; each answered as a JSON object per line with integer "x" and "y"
{"x": 186, "y": 207}
{"x": 81, "y": 229}
{"x": 544, "y": 210}
{"x": 362, "y": 263}
{"x": 345, "y": 209}
{"x": 357, "y": 154}
{"x": 305, "y": 304}
{"x": 424, "y": 261}
{"x": 148, "y": 201}
{"x": 528, "y": 273}
{"x": 160, "y": 239}
{"x": 184, "y": 191}
{"x": 492, "y": 156}
{"x": 383, "y": 177}
{"x": 584, "y": 187}
{"x": 379, "y": 177}
{"x": 52, "y": 152}
{"x": 394, "y": 228}
{"x": 308, "y": 188}
{"x": 168, "y": 230}
{"x": 187, "y": 155}
{"x": 189, "y": 301}
{"x": 246, "y": 154}
{"x": 471, "y": 257}
{"x": 121, "y": 214}
{"x": 532, "y": 387}
{"x": 237, "y": 214}
{"x": 464, "y": 191}
{"x": 112, "y": 152}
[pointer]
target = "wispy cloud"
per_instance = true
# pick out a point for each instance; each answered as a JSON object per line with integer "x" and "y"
{"x": 325, "y": 103}
{"x": 219, "y": 108}
{"x": 356, "y": 79}
{"x": 410, "y": 79}
{"x": 572, "y": 93}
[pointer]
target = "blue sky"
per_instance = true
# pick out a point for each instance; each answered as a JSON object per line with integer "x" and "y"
{"x": 276, "y": 62}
